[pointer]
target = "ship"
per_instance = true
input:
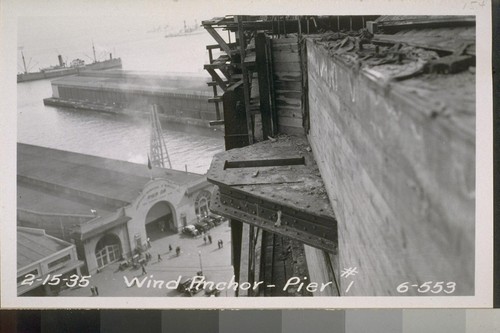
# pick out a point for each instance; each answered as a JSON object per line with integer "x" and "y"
{"x": 187, "y": 30}
{"x": 62, "y": 69}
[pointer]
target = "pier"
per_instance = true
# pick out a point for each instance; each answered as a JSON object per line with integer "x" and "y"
{"x": 179, "y": 98}
{"x": 107, "y": 208}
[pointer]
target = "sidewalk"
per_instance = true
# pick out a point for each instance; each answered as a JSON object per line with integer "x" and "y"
{"x": 216, "y": 264}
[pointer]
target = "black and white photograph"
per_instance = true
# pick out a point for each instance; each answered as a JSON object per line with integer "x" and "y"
{"x": 199, "y": 157}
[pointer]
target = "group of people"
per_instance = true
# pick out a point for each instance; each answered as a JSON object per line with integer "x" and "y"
{"x": 220, "y": 243}
{"x": 205, "y": 238}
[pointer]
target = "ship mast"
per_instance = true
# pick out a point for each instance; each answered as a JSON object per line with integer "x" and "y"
{"x": 157, "y": 146}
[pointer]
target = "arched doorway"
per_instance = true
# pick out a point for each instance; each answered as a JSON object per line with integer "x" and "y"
{"x": 160, "y": 220}
{"x": 108, "y": 250}
{"x": 202, "y": 203}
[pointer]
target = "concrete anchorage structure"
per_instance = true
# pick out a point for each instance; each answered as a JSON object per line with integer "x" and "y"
{"x": 107, "y": 208}
{"x": 350, "y": 150}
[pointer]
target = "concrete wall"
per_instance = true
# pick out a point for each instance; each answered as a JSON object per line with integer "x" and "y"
{"x": 400, "y": 181}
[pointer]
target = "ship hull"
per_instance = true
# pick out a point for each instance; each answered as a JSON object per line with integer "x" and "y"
{"x": 102, "y": 65}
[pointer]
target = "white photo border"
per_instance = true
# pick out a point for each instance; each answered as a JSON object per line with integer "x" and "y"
{"x": 12, "y": 9}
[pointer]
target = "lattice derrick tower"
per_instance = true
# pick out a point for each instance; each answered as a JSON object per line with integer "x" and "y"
{"x": 158, "y": 149}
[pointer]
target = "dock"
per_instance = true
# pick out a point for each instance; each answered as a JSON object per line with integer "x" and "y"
{"x": 179, "y": 98}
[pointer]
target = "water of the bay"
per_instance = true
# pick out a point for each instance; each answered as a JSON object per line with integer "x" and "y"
{"x": 116, "y": 136}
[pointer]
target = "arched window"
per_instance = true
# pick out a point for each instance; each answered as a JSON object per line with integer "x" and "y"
{"x": 107, "y": 250}
{"x": 202, "y": 203}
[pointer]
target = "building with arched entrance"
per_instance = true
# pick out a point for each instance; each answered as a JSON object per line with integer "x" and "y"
{"x": 107, "y": 208}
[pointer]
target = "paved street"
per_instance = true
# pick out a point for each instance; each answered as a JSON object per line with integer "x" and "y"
{"x": 216, "y": 265}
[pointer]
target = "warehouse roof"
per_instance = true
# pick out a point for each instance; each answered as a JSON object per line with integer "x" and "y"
{"x": 144, "y": 82}
{"x": 113, "y": 179}
{"x": 34, "y": 245}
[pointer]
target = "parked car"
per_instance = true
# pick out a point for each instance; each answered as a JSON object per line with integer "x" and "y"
{"x": 184, "y": 285}
{"x": 186, "y": 288}
{"x": 216, "y": 219}
{"x": 202, "y": 226}
{"x": 190, "y": 230}
{"x": 212, "y": 292}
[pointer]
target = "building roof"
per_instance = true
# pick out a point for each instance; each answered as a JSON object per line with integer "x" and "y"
{"x": 133, "y": 81}
{"x": 113, "y": 179}
{"x": 34, "y": 245}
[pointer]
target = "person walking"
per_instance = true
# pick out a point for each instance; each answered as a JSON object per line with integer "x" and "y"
{"x": 209, "y": 239}
{"x": 96, "y": 291}
{"x": 169, "y": 248}
{"x": 221, "y": 244}
{"x": 143, "y": 269}
{"x": 178, "y": 250}
{"x": 159, "y": 257}
{"x": 204, "y": 239}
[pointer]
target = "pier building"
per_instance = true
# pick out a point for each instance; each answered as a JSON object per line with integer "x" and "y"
{"x": 350, "y": 151}
{"x": 40, "y": 255}
{"x": 107, "y": 208}
{"x": 179, "y": 98}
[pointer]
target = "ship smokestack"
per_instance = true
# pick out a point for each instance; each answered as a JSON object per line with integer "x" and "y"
{"x": 61, "y": 63}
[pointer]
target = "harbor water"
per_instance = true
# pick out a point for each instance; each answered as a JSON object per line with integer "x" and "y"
{"x": 117, "y": 136}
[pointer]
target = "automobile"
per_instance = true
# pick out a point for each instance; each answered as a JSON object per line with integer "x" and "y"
{"x": 184, "y": 285}
{"x": 216, "y": 219}
{"x": 212, "y": 292}
{"x": 186, "y": 288}
{"x": 190, "y": 230}
{"x": 202, "y": 226}
{"x": 191, "y": 291}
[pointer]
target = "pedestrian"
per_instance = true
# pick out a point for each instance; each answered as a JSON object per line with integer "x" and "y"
{"x": 143, "y": 269}
{"x": 159, "y": 257}
{"x": 205, "y": 239}
{"x": 178, "y": 250}
{"x": 209, "y": 239}
{"x": 149, "y": 242}
{"x": 169, "y": 248}
{"x": 96, "y": 291}
{"x": 221, "y": 244}
{"x": 92, "y": 290}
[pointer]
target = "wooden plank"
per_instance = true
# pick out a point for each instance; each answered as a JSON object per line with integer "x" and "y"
{"x": 286, "y": 67}
{"x": 290, "y": 121}
{"x": 284, "y": 40}
{"x": 285, "y": 48}
{"x": 291, "y": 130}
{"x": 288, "y": 76}
{"x": 288, "y": 85}
{"x": 293, "y": 112}
{"x": 286, "y": 56}
{"x": 289, "y": 94}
